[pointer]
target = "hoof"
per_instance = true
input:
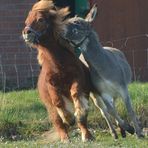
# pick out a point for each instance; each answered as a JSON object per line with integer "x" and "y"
{"x": 87, "y": 138}
{"x": 65, "y": 140}
{"x": 115, "y": 136}
{"x": 123, "y": 133}
{"x": 130, "y": 129}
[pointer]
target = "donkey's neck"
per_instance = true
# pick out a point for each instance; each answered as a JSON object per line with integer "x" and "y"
{"x": 92, "y": 48}
{"x": 92, "y": 44}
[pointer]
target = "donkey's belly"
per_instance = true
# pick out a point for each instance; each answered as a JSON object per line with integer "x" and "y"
{"x": 106, "y": 87}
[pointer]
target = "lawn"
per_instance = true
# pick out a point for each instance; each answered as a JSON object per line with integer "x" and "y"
{"x": 23, "y": 119}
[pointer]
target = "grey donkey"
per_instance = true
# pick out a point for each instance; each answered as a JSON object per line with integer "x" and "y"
{"x": 109, "y": 69}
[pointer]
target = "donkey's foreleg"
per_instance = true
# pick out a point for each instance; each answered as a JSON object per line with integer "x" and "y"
{"x": 131, "y": 113}
{"x": 100, "y": 105}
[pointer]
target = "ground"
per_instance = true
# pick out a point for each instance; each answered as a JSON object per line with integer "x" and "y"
{"x": 24, "y": 122}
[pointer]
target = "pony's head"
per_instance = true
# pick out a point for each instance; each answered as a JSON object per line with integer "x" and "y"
{"x": 42, "y": 21}
{"x": 78, "y": 29}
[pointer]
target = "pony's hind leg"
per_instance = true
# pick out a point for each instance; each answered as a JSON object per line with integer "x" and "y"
{"x": 131, "y": 113}
{"x": 85, "y": 133}
{"x": 100, "y": 105}
{"x": 81, "y": 107}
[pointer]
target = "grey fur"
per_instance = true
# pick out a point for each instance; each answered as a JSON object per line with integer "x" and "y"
{"x": 109, "y": 69}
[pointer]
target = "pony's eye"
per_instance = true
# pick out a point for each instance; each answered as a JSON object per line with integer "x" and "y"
{"x": 41, "y": 20}
{"x": 75, "y": 31}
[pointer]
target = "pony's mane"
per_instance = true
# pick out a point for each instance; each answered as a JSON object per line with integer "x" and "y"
{"x": 46, "y": 5}
{"x": 43, "y": 5}
{"x": 58, "y": 14}
{"x": 57, "y": 18}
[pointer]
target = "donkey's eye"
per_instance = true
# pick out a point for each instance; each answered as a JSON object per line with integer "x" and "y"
{"x": 75, "y": 31}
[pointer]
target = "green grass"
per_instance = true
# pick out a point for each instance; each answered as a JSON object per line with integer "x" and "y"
{"x": 22, "y": 114}
{"x": 23, "y": 118}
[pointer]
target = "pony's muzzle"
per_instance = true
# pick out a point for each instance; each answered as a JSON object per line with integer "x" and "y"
{"x": 29, "y": 35}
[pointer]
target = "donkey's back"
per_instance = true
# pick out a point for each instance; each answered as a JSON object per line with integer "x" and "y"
{"x": 118, "y": 65}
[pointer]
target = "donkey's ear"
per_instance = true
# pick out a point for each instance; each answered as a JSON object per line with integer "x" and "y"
{"x": 92, "y": 14}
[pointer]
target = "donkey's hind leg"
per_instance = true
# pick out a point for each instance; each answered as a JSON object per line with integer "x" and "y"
{"x": 131, "y": 113}
{"x": 108, "y": 100}
{"x": 100, "y": 104}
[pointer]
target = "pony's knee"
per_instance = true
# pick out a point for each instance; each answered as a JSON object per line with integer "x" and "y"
{"x": 66, "y": 112}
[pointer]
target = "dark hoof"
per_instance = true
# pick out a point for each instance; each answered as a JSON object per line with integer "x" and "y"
{"x": 123, "y": 133}
{"x": 130, "y": 129}
{"x": 115, "y": 136}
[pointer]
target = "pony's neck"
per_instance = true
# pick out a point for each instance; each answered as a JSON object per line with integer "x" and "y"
{"x": 48, "y": 50}
{"x": 52, "y": 52}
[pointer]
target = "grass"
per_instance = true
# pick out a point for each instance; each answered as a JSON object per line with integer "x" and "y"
{"x": 23, "y": 118}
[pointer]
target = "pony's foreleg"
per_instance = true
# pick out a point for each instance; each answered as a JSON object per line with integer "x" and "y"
{"x": 81, "y": 107}
{"x": 58, "y": 124}
{"x": 59, "y": 103}
{"x": 100, "y": 105}
{"x": 131, "y": 113}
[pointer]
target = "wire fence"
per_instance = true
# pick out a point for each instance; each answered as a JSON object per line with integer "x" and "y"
{"x": 20, "y": 70}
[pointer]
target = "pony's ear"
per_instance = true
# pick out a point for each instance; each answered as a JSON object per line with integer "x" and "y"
{"x": 63, "y": 12}
{"x": 92, "y": 14}
{"x": 42, "y": 0}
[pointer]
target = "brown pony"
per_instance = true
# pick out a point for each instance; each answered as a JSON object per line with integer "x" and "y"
{"x": 64, "y": 82}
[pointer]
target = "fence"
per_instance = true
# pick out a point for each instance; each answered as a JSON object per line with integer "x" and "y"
{"x": 20, "y": 70}
{"x": 120, "y": 24}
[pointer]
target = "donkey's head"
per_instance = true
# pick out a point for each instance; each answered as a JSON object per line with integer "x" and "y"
{"x": 42, "y": 21}
{"x": 78, "y": 29}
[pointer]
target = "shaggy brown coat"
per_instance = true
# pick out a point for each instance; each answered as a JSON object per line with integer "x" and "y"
{"x": 64, "y": 82}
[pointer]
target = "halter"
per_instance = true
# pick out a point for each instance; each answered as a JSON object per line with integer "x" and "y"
{"x": 38, "y": 34}
{"x": 80, "y": 43}
{"x": 77, "y": 48}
